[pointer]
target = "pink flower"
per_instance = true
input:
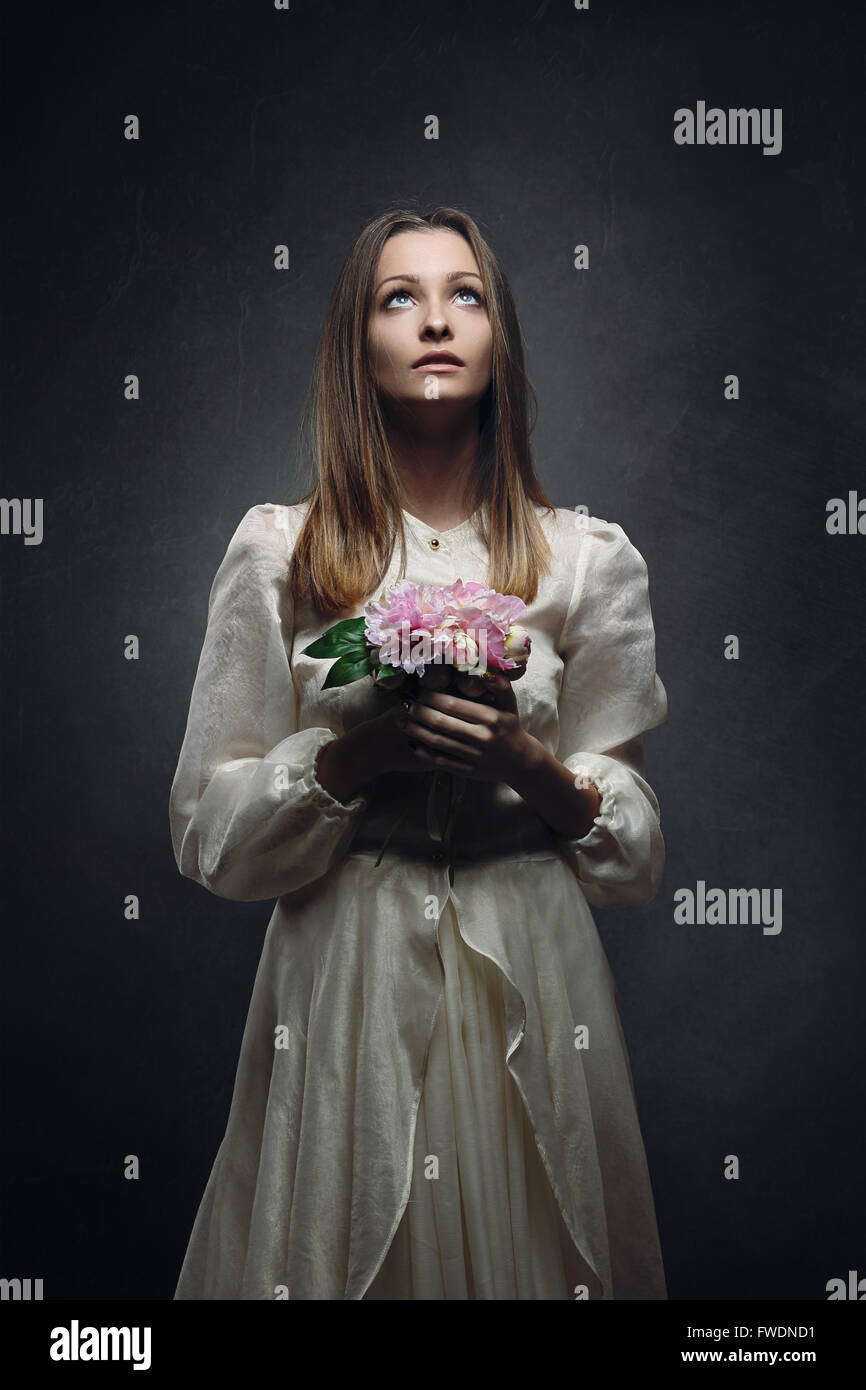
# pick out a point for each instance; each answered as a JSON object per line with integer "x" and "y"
{"x": 463, "y": 625}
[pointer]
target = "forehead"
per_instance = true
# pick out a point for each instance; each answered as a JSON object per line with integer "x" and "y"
{"x": 430, "y": 253}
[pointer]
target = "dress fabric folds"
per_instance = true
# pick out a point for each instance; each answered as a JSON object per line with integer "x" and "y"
{"x": 433, "y": 1096}
{"x": 487, "y": 1224}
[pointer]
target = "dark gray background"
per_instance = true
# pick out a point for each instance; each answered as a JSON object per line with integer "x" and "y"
{"x": 261, "y": 127}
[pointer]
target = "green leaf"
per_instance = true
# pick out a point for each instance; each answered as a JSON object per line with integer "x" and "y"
{"x": 349, "y": 668}
{"x": 343, "y": 639}
{"x": 385, "y": 671}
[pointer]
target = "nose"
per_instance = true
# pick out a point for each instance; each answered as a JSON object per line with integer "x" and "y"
{"x": 436, "y": 327}
{"x": 436, "y": 320}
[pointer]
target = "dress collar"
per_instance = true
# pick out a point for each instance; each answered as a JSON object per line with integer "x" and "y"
{"x": 422, "y": 527}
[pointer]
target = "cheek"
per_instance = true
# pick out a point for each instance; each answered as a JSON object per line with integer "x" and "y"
{"x": 484, "y": 348}
{"x": 381, "y": 351}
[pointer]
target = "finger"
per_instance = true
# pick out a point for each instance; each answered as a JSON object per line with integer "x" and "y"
{"x": 440, "y": 743}
{"x": 442, "y": 761}
{"x": 500, "y": 694}
{"x": 454, "y": 708}
{"x": 455, "y": 736}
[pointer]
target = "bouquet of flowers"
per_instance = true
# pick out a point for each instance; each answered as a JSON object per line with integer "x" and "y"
{"x": 439, "y": 636}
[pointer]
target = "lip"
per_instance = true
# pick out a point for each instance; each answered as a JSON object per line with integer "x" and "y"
{"x": 440, "y": 360}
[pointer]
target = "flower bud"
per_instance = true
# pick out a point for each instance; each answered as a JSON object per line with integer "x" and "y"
{"x": 518, "y": 643}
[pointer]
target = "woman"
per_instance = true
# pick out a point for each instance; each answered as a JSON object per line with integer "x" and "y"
{"x": 433, "y": 1098}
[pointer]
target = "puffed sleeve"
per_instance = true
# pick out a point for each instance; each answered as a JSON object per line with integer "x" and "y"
{"x": 609, "y": 697}
{"x": 249, "y": 818}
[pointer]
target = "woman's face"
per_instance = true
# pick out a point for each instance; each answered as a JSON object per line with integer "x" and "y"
{"x": 428, "y": 298}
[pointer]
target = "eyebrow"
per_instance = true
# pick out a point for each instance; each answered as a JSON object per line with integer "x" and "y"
{"x": 416, "y": 279}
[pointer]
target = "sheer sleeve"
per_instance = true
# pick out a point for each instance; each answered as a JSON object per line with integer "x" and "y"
{"x": 609, "y": 697}
{"x": 249, "y": 818}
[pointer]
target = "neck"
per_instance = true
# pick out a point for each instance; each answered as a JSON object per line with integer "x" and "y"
{"x": 436, "y": 466}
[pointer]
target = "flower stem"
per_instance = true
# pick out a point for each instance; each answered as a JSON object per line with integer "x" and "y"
{"x": 387, "y": 839}
{"x": 449, "y": 835}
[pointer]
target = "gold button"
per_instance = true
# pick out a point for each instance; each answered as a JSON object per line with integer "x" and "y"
{"x": 434, "y": 543}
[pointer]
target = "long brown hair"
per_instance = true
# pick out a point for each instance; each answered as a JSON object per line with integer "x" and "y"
{"x": 347, "y": 539}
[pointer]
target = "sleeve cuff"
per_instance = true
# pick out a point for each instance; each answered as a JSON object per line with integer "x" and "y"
{"x": 621, "y": 857}
{"x": 607, "y": 811}
{"x": 311, "y": 788}
{"x": 610, "y": 826}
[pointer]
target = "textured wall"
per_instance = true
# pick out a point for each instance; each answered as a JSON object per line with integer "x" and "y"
{"x": 155, "y": 256}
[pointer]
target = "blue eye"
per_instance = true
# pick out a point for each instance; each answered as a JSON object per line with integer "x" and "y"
{"x": 461, "y": 289}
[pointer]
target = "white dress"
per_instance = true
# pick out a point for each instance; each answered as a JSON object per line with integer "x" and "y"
{"x": 433, "y": 1097}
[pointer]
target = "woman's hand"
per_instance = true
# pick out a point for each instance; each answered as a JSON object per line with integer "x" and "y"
{"x": 482, "y": 740}
{"x": 372, "y": 748}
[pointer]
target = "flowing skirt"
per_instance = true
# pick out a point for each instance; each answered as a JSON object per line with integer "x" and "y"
{"x": 482, "y": 1220}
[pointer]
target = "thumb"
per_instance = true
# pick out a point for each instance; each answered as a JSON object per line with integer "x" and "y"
{"x": 500, "y": 693}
